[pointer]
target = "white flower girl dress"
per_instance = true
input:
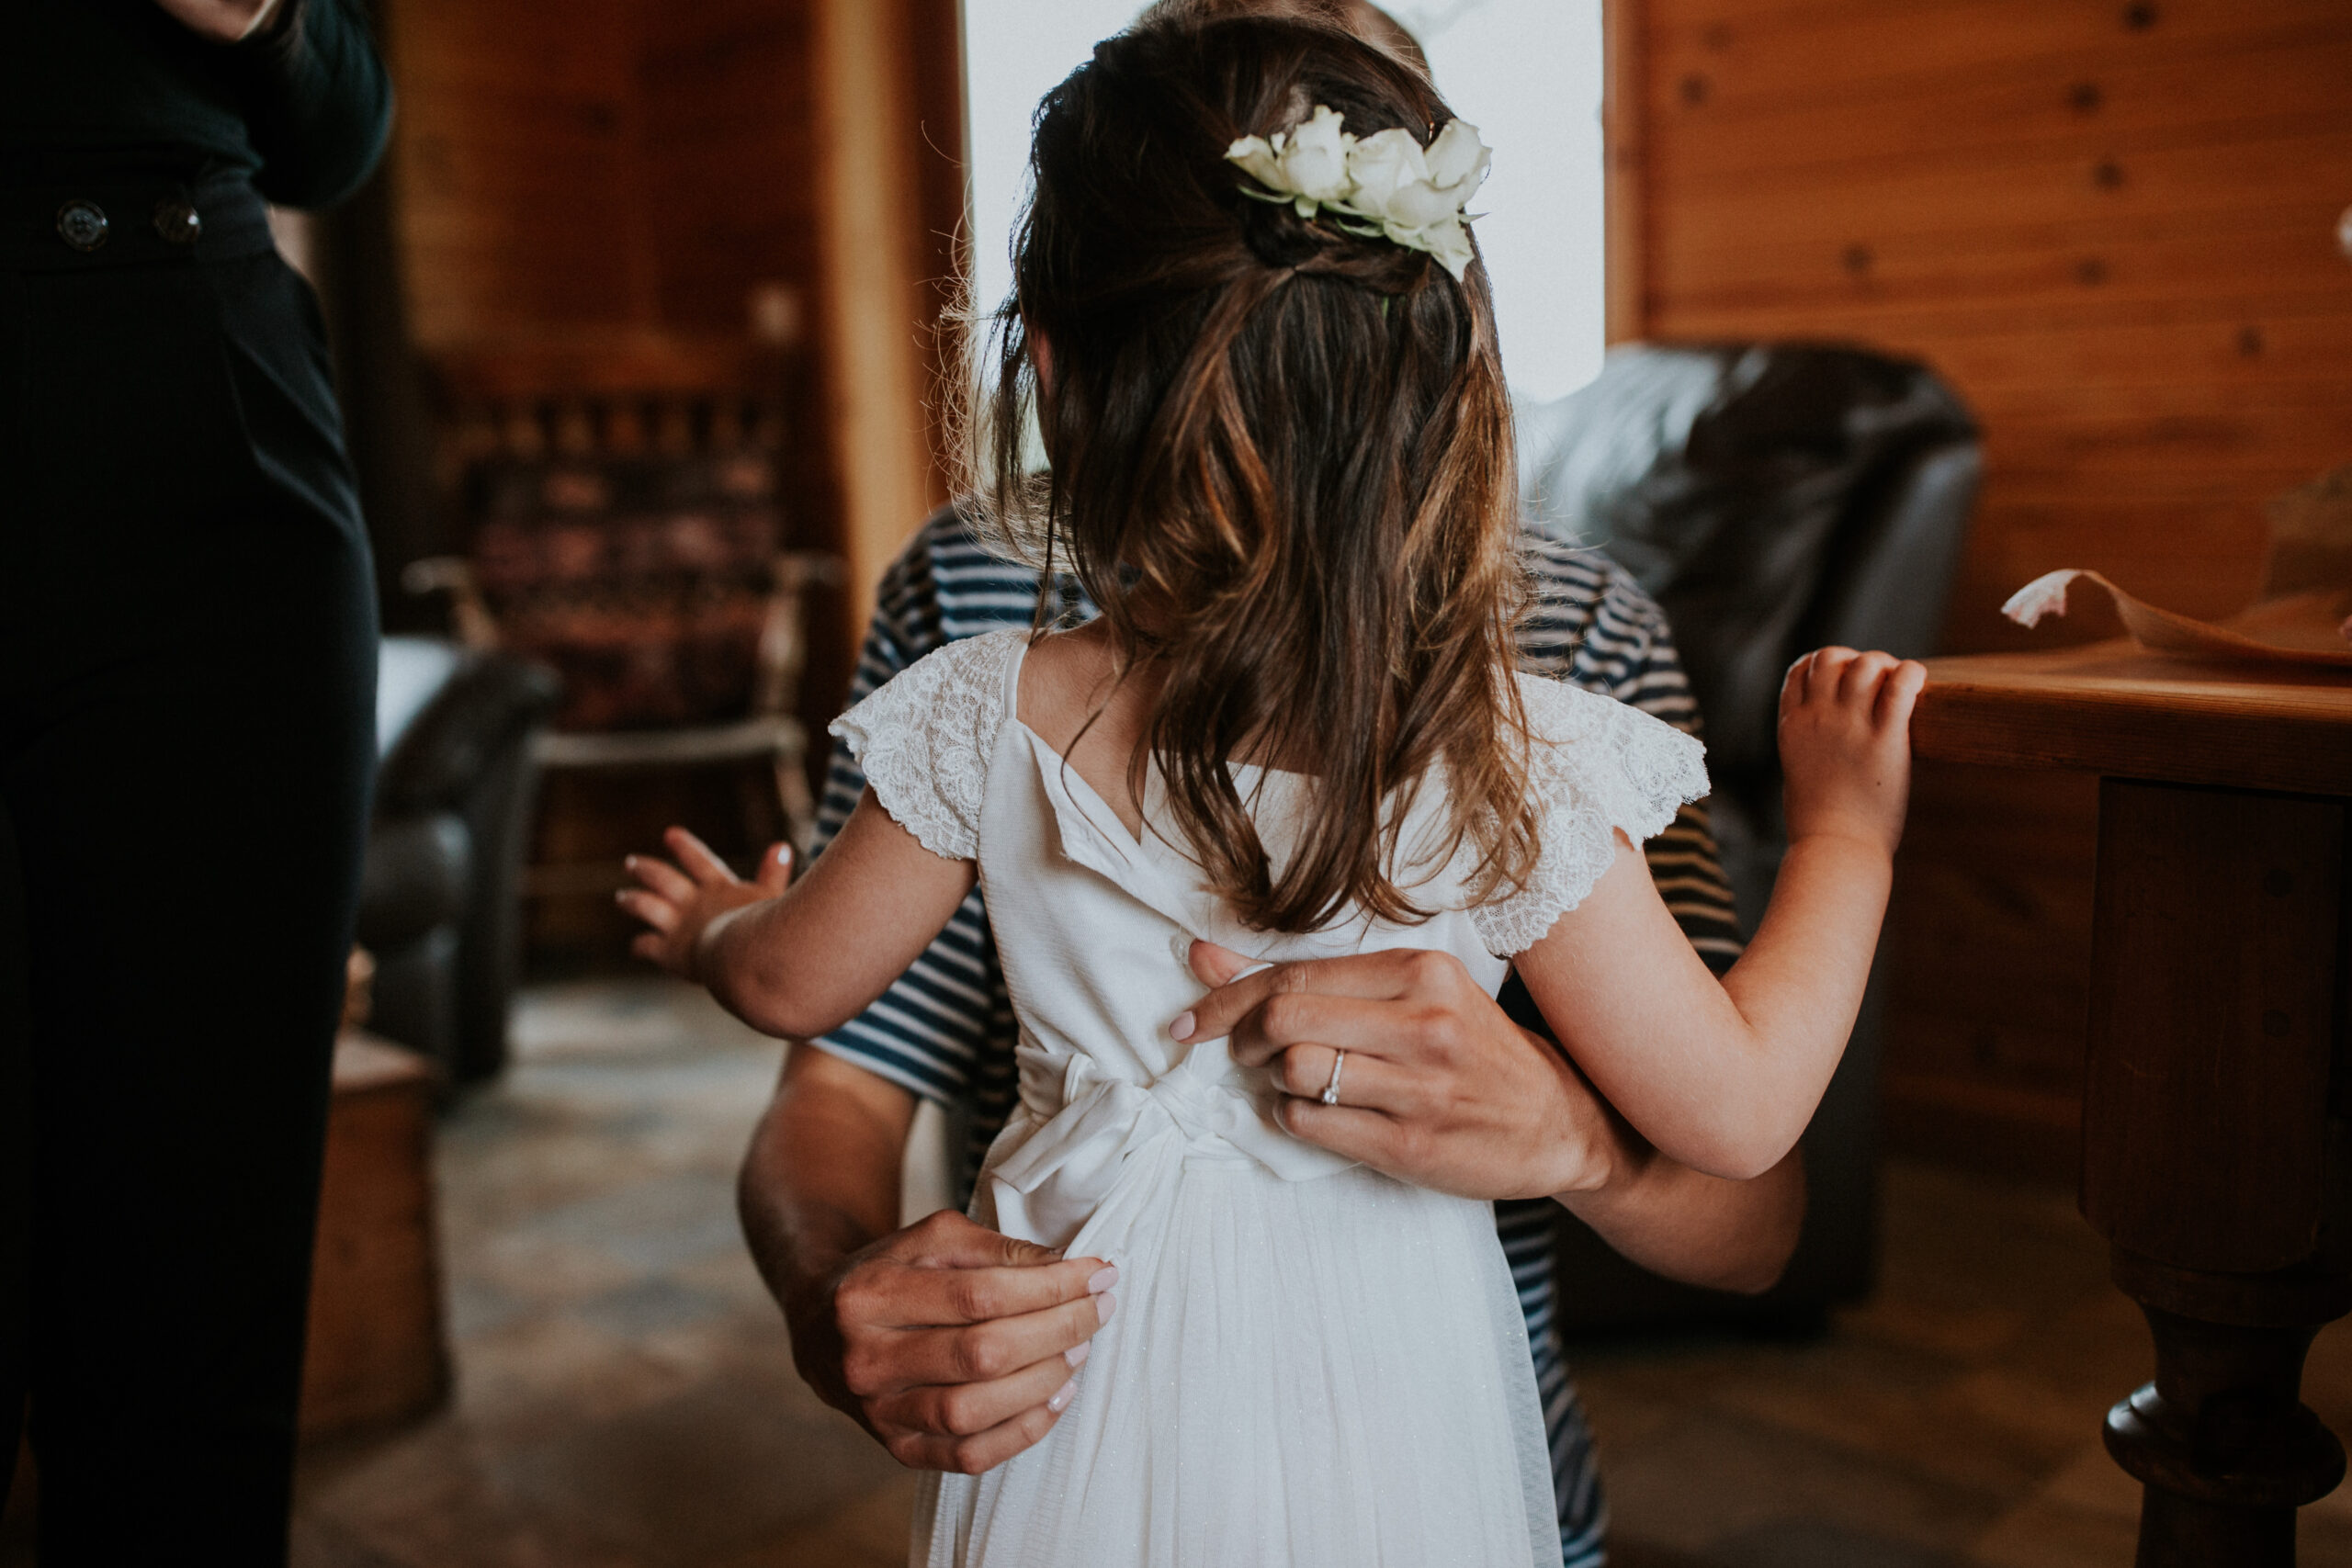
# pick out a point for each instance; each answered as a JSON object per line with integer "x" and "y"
{"x": 1312, "y": 1365}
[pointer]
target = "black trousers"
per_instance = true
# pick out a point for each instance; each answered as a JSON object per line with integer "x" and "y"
{"x": 188, "y": 662}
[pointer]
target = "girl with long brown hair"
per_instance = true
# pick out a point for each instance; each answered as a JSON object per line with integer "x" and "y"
{"x": 1251, "y": 334}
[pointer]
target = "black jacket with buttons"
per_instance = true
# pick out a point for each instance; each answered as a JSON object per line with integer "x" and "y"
{"x": 304, "y": 105}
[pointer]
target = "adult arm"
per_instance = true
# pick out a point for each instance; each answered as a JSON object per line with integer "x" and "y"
{"x": 956, "y": 1347}
{"x": 1443, "y": 1090}
{"x": 1688, "y": 1226}
{"x": 318, "y": 102}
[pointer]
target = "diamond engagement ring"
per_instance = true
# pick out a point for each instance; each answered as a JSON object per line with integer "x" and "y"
{"x": 1331, "y": 1089}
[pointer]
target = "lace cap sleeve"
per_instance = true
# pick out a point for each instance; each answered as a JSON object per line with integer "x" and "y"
{"x": 1595, "y": 765}
{"x": 923, "y": 738}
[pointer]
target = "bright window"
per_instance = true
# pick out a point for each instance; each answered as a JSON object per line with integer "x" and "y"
{"x": 1527, "y": 73}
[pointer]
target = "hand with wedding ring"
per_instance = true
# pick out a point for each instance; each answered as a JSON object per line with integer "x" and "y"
{"x": 1400, "y": 1060}
{"x": 1332, "y": 1090}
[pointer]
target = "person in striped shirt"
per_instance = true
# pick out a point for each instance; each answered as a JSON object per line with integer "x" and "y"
{"x": 907, "y": 1329}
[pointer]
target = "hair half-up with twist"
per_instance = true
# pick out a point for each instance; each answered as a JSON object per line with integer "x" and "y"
{"x": 1280, "y": 460}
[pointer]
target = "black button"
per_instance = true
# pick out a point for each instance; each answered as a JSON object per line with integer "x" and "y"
{"x": 82, "y": 224}
{"x": 177, "y": 221}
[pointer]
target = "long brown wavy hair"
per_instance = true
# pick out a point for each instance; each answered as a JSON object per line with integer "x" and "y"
{"x": 1279, "y": 459}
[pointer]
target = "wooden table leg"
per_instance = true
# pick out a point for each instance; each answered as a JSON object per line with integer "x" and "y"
{"x": 2215, "y": 1018}
{"x": 2220, "y": 1440}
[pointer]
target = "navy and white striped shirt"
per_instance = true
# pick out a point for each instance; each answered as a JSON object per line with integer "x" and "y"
{"x": 944, "y": 1029}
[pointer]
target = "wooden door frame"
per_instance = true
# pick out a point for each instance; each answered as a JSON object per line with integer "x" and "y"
{"x": 1624, "y": 176}
{"x": 888, "y": 87}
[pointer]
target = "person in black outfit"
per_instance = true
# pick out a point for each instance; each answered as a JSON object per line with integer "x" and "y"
{"x": 187, "y": 663}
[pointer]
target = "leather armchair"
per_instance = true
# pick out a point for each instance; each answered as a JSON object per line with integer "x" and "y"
{"x": 1774, "y": 499}
{"x": 439, "y": 888}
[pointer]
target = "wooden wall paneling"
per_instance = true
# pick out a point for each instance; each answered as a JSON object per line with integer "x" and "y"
{"x": 2111, "y": 226}
{"x": 2119, "y": 265}
{"x": 730, "y": 145}
{"x": 2090, "y": 342}
{"x": 2279, "y": 75}
{"x": 2203, "y": 179}
{"x": 730, "y": 94}
{"x": 515, "y": 156}
{"x": 2202, "y": 557}
{"x": 1743, "y": 51}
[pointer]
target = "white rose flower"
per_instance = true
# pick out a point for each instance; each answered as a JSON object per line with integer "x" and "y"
{"x": 1384, "y": 163}
{"x": 1315, "y": 161}
{"x": 1410, "y": 195}
{"x": 1257, "y": 160}
{"x": 1458, "y": 161}
{"x": 1450, "y": 244}
{"x": 1419, "y": 205}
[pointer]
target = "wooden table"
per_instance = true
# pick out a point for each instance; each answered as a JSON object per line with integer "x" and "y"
{"x": 2219, "y": 1069}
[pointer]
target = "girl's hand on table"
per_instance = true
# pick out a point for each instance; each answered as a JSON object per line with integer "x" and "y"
{"x": 1846, "y": 744}
{"x": 680, "y": 902}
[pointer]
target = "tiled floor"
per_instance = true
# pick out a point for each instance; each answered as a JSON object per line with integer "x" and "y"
{"x": 626, "y": 1398}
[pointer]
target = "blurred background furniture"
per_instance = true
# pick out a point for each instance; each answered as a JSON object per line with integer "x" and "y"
{"x": 624, "y": 525}
{"x": 1774, "y": 499}
{"x": 770, "y": 733}
{"x": 439, "y": 886}
{"x": 377, "y": 1352}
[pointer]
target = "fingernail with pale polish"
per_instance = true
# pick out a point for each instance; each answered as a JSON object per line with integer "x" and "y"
{"x": 1075, "y": 1355}
{"x": 1060, "y": 1402}
{"x": 1104, "y": 1306}
{"x": 1182, "y": 1026}
{"x": 1103, "y": 1279}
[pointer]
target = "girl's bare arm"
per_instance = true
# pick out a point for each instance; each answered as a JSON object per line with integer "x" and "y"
{"x": 804, "y": 960}
{"x": 1723, "y": 1077}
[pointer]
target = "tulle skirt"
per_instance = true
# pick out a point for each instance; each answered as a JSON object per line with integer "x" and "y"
{"x": 1330, "y": 1374}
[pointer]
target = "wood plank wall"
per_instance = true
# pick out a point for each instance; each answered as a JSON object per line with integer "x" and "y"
{"x": 517, "y": 160}
{"x": 599, "y": 165}
{"x": 625, "y": 195}
{"x": 2111, "y": 224}
{"x": 609, "y": 175}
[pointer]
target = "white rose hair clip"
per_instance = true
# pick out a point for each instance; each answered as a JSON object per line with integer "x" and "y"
{"x": 1395, "y": 188}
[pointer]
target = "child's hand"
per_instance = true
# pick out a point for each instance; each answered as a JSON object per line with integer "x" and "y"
{"x": 1846, "y": 744}
{"x": 679, "y": 905}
